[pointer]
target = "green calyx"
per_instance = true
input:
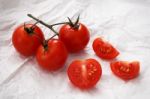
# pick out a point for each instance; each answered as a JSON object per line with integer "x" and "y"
{"x": 30, "y": 30}
{"x": 76, "y": 24}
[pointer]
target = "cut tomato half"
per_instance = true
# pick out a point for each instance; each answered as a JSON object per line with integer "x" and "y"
{"x": 84, "y": 74}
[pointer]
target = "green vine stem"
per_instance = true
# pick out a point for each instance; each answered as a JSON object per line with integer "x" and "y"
{"x": 47, "y": 25}
{"x": 43, "y": 23}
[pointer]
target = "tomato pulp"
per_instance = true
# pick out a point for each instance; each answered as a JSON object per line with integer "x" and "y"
{"x": 84, "y": 74}
{"x": 104, "y": 49}
{"x": 125, "y": 70}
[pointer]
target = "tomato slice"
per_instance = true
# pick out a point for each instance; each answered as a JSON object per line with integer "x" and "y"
{"x": 104, "y": 49}
{"x": 84, "y": 74}
{"x": 125, "y": 70}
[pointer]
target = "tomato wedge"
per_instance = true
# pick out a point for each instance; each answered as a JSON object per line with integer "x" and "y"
{"x": 125, "y": 70}
{"x": 104, "y": 49}
{"x": 84, "y": 73}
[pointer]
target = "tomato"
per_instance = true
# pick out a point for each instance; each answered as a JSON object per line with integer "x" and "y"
{"x": 27, "y": 42}
{"x": 75, "y": 39}
{"x": 125, "y": 70}
{"x": 104, "y": 49}
{"x": 52, "y": 56}
{"x": 84, "y": 73}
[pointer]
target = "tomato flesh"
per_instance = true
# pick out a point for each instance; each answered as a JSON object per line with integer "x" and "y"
{"x": 84, "y": 74}
{"x": 25, "y": 43}
{"x": 74, "y": 39}
{"x": 125, "y": 70}
{"x": 104, "y": 49}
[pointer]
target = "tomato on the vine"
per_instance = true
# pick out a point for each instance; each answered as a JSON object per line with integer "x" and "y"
{"x": 125, "y": 70}
{"x": 27, "y": 38}
{"x": 75, "y": 39}
{"x": 104, "y": 49}
{"x": 84, "y": 73}
{"x": 74, "y": 35}
{"x": 52, "y": 55}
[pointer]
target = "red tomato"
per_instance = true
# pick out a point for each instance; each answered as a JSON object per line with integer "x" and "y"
{"x": 125, "y": 70}
{"x": 52, "y": 56}
{"x": 84, "y": 74}
{"x": 74, "y": 39}
{"x": 26, "y": 43}
{"x": 104, "y": 49}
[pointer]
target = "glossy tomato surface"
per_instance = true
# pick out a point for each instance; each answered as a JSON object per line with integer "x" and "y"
{"x": 104, "y": 49}
{"x": 74, "y": 39}
{"x": 84, "y": 73}
{"x": 27, "y": 43}
{"x": 125, "y": 70}
{"x": 53, "y": 56}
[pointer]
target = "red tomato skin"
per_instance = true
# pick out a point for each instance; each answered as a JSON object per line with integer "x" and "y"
{"x": 74, "y": 39}
{"x": 98, "y": 42}
{"x": 54, "y": 58}
{"x": 26, "y": 44}
{"x": 133, "y": 74}
{"x": 79, "y": 75}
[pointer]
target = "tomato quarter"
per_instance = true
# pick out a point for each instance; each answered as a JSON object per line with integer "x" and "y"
{"x": 52, "y": 56}
{"x": 84, "y": 74}
{"x": 75, "y": 39}
{"x": 125, "y": 70}
{"x": 27, "y": 41}
{"x": 104, "y": 49}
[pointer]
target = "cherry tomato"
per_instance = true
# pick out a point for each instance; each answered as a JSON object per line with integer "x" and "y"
{"x": 125, "y": 70}
{"x": 52, "y": 56}
{"x": 84, "y": 74}
{"x": 75, "y": 39}
{"x": 27, "y": 42}
{"x": 104, "y": 49}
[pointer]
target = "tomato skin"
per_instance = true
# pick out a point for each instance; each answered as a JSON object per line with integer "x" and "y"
{"x": 84, "y": 74}
{"x": 74, "y": 39}
{"x": 27, "y": 44}
{"x": 54, "y": 57}
{"x": 133, "y": 72}
{"x": 104, "y": 49}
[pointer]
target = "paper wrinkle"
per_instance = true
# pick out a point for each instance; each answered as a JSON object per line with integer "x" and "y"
{"x": 124, "y": 23}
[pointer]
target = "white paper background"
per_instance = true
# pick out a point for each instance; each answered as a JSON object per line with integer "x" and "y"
{"x": 124, "y": 23}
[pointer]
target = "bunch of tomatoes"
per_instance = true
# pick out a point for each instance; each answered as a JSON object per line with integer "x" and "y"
{"x": 51, "y": 54}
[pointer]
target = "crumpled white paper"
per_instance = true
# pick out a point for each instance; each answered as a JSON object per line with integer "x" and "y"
{"x": 124, "y": 23}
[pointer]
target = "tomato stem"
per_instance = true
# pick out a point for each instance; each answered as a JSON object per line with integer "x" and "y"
{"x": 59, "y": 23}
{"x": 74, "y": 25}
{"x": 45, "y": 45}
{"x": 43, "y": 23}
{"x": 32, "y": 27}
{"x": 45, "y": 42}
{"x": 52, "y": 37}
